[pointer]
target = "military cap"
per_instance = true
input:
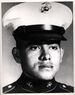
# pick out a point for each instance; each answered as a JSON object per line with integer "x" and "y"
{"x": 38, "y": 20}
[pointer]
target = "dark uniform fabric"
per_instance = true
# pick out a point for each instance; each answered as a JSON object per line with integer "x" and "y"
{"x": 25, "y": 85}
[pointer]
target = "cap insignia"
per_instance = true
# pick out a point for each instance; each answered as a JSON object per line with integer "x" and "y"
{"x": 45, "y": 6}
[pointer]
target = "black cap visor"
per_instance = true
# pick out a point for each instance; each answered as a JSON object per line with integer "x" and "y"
{"x": 39, "y": 33}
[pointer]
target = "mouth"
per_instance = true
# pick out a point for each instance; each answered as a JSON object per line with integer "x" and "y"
{"x": 45, "y": 66}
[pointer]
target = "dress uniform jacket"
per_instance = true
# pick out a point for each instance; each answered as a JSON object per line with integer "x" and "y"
{"x": 25, "y": 85}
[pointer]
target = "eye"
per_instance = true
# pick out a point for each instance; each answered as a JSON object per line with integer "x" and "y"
{"x": 34, "y": 47}
{"x": 53, "y": 47}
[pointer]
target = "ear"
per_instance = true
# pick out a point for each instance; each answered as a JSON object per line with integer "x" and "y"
{"x": 61, "y": 55}
{"x": 16, "y": 55}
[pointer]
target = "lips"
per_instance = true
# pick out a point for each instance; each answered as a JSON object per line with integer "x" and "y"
{"x": 45, "y": 66}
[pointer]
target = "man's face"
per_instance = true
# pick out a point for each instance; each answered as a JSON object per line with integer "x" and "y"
{"x": 41, "y": 61}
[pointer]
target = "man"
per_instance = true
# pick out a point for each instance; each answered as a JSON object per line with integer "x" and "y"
{"x": 38, "y": 31}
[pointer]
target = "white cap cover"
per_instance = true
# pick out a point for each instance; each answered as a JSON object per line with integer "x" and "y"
{"x": 36, "y": 13}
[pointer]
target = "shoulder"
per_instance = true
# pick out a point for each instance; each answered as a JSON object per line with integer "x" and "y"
{"x": 9, "y": 88}
{"x": 15, "y": 88}
{"x": 64, "y": 88}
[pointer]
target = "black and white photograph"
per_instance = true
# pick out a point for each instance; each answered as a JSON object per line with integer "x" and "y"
{"x": 37, "y": 47}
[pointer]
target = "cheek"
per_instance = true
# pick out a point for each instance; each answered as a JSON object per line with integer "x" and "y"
{"x": 55, "y": 57}
{"x": 32, "y": 57}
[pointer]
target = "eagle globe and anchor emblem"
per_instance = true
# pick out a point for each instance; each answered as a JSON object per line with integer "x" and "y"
{"x": 45, "y": 6}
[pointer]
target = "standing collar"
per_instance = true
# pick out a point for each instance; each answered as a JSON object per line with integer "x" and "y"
{"x": 36, "y": 85}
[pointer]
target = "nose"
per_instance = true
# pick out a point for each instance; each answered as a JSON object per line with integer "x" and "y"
{"x": 44, "y": 54}
{"x": 44, "y": 57}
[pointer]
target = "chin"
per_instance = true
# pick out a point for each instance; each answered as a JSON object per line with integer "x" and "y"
{"x": 46, "y": 76}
